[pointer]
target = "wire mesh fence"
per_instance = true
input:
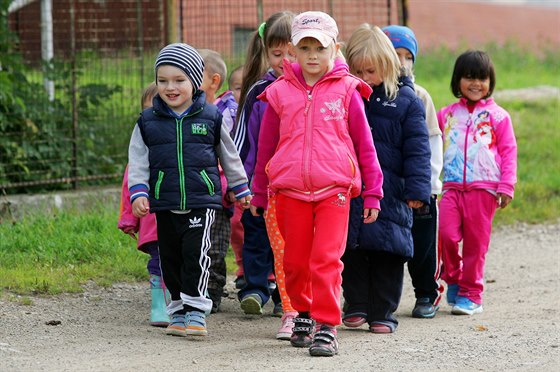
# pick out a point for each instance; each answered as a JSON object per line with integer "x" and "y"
{"x": 82, "y": 104}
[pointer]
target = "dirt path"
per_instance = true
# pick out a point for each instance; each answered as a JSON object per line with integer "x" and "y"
{"x": 107, "y": 330}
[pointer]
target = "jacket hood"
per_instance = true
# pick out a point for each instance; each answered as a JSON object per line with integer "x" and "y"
{"x": 406, "y": 81}
{"x": 269, "y": 75}
{"x": 293, "y": 72}
{"x": 482, "y": 102}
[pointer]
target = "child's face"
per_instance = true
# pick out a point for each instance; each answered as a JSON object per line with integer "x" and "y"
{"x": 368, "y": 73}
{"x": 315, "y": 60}
{"x": 474, "y": 89}
{"x": 175, "y": 88}
{"x": 405, "y": 57}
{"x": 276, "y": 57}
{"x": 235, "y": 87}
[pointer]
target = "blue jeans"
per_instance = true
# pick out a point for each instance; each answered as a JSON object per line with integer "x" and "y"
{"x": 258, "y": 260}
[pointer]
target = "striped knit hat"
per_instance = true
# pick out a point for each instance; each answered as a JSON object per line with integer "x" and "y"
{"x": 184, "y": 57}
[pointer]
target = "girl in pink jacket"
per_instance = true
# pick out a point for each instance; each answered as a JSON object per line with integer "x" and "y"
{"x": 479, "y": 175}
{"x": 147, "y": 239}
{"x": 315, "y": 149}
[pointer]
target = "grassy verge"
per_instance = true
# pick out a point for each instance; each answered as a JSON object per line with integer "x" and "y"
{"x": 60, "y": 252}
{"x": 53, "y": 253}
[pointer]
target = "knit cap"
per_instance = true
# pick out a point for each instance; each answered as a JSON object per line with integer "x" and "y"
{"x": 185, "y": 58}
{"x": 402, "y": 37}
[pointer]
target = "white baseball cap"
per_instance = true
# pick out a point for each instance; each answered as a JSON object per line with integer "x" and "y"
{"x": 317, "y": 25}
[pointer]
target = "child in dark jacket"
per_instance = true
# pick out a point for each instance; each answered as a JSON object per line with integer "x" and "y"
{"x": 376, "y": 253}
{"x": 173, "y": 159}
{"x": 425, "y": 266}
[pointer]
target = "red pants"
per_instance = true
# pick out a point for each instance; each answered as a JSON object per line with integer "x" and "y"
{"x": 315, "y": 238}
{"x": 466, "y": 216}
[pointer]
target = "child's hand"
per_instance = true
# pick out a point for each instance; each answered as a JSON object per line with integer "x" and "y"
{"x": 414, "y": 204}
{"x": 231, "y": 196}
{"x": 370, "y": 215}
{"x": 245, "y": 201}
{"x": 140, "y": 207}
{"x": 503, "y": 200}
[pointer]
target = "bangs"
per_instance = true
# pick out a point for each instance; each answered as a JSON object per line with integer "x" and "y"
{"x": 476, "y": 72}
{"x": 476, "y": 66}
{"x": 279, "y": 34}
{"x": 362, "y": 60}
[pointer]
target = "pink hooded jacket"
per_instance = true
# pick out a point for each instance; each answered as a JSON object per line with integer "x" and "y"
{"x": 316, "y": 144}
{"x": 128, "y": 223}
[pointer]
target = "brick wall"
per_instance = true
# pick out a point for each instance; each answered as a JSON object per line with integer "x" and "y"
{"x": 475, "y": 23}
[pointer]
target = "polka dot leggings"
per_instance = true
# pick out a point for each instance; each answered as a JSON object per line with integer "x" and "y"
{"x": 277, "y": 245}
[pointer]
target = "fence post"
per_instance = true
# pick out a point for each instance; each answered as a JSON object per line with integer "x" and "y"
{"x": 47, "y": 52}
{"x": 74, "y": 93}
{"x": 260, "y": 18}
{"x": 140, "y": 27}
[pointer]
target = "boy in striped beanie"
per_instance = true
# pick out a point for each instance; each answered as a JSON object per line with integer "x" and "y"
{"x": 173, "y": 172}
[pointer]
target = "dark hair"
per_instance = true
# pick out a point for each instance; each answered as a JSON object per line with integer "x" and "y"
{"x": 473, "y": 64}
{"x": 277, "y": 31}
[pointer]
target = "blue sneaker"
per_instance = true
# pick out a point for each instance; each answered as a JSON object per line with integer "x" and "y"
{"x": 196, "y": 323}
{"x": 452, "y": 290}
{"x": 177, "y": 326}
{"x": 464, "y": 306}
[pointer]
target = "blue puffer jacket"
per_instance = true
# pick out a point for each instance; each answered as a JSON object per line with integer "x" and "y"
{"x": 400, "y": 136}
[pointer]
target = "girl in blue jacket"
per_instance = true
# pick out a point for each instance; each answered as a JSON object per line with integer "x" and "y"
{"x": 376, "y": 253}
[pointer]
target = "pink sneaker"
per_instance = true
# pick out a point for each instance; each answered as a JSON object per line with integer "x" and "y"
{"x": 354, "y": 320}
{"x": 285, "y": 331}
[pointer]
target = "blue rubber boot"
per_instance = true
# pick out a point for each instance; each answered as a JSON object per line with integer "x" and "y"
{"x": 160, "y": 297}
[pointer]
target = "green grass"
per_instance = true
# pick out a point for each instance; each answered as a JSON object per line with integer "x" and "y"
{"x": 53, "y": 253}
{"x": 514, "y": 69}
{"x": 60, "y": 252}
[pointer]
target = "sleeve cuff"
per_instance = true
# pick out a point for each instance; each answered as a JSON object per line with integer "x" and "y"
{"x": 241, "y": 191}
{"x": 371, "y": 202}
{"x": 137, "y": 191}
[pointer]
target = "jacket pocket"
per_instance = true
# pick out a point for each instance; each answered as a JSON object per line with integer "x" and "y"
{"x": 161, "y": 174}
{"x": 208, "y": 182}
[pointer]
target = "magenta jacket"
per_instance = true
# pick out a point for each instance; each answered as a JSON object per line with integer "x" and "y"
{"x": 479, "y": 148}
{"x": 145, "y": 226}
{"x": 315, "y": 144}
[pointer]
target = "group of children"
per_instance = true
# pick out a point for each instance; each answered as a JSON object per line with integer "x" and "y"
{"x": 333, "y": 162}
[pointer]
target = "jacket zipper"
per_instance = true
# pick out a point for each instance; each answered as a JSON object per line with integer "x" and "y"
{"x": 180, "y": 164}
{"x": 307, "y": 141}
{"x": 467, "y": 132}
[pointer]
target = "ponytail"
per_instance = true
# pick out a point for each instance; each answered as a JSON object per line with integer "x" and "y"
{"x": 275, "y": 31}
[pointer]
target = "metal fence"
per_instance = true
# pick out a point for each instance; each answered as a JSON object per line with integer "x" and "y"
{"x": 101, "y": 55}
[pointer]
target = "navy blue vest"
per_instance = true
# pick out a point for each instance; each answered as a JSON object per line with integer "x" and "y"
{"x": 183, "y": 160}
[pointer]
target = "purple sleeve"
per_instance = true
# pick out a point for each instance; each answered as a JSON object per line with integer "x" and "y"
{"x": 253, "y": 129}
{"x": 370, "y": 169}
{"x": 268, "y": 140}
